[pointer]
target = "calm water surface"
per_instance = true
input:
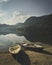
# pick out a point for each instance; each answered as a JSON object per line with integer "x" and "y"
{"x": 11, "y": 39}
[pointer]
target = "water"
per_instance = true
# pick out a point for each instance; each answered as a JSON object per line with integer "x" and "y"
{"x": 10, "y": 39}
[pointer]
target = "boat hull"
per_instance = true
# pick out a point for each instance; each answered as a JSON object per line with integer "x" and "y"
{"x": 15, "y": 49}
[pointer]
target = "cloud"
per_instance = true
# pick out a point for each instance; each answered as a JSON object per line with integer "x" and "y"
{"x": 16, "y": 17}
{"x": 3, "y": 1}
{"x": 2, "y": 14}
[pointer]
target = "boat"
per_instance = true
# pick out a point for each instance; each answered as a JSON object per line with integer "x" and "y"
{"x": 38, "y": 46}
{"x": 24, "y": 44}
{"x": 15, "y": 49}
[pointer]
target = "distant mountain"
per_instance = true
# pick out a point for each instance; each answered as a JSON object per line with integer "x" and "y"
{"x": 5, "y": 29}
{"x": 18, "y": 24}
{"x": 13, "y": 29}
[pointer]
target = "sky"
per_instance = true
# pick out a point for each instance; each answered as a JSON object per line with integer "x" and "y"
{"x": 16, "y": 11}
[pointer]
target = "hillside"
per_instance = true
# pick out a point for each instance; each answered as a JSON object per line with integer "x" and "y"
{"x": 39, "y": 24}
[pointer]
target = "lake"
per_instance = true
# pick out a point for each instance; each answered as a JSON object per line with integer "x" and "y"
{"x": 10, "y": 39}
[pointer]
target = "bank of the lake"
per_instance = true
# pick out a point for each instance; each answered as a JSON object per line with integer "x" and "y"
{"x": 27, "y": 57}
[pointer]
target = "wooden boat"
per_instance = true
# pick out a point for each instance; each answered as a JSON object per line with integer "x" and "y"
{"x": 32, "y": 46}
{"x": 38, "y": 46}
{"x": 15, "y": 49}
{"x": 24, "y": 44}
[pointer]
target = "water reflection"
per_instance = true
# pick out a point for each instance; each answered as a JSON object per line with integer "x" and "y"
{"x": 20, "y": 36}
{"x": 11, "y": 39}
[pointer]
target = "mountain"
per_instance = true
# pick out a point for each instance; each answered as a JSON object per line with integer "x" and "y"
{"x": 43, "y": 23}
{"x": 39, "y": 22}
{"x": 39, "y": 28}
{"x": 31, "y": 20}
